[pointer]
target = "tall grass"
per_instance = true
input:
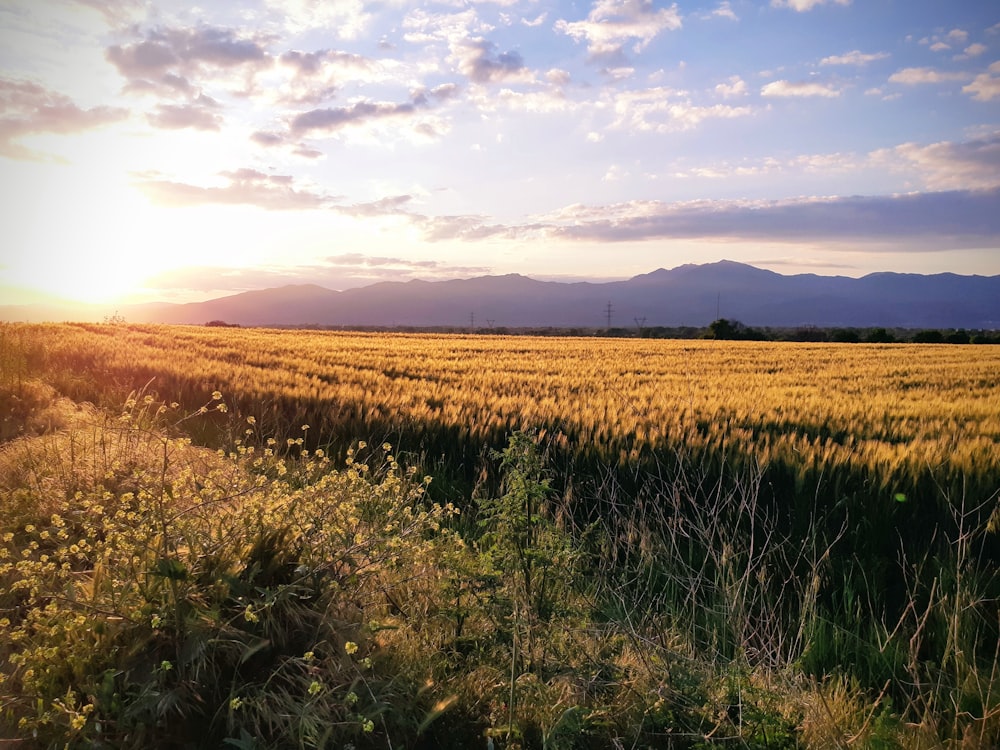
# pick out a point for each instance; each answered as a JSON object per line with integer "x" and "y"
{"x": 267, "y": 593}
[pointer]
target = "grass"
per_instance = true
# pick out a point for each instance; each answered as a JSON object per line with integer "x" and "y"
{"x": 262, "y": 592}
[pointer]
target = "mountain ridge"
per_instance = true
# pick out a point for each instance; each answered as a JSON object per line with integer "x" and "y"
{"x": 687, "y": 295}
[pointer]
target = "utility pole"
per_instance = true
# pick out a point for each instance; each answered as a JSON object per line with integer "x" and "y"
{"x": 489, "y": 323}
{"x": 607, "y": 311}
{"x": 640, "y": 322}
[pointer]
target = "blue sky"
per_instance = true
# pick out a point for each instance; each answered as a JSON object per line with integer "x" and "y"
{"x": 162, "y": 150}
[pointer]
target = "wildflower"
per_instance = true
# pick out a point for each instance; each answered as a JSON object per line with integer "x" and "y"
{"x": 351, "y": 647}
{"x": 351, "y": 698}
{"x": 235, "y": 703}
{"x": 315, "y": 687}
{"x": 368, "y": 726}
{"x": 166, "y": 666}
{"x": 249, "y": 615}
{"x": 251, "y": 420}
{"x": 216, "y": 395}
{"x": 155, "y": 621}
{"x": 308, "y": 656}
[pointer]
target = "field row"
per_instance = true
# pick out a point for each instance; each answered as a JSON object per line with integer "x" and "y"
{"x": 887, "y": 409}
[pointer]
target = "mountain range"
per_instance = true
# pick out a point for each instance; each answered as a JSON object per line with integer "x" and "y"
{"x": 688, "y": 295}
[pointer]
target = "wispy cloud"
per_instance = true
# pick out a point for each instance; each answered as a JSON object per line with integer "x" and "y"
{"x": 735, "y": 86}
{"x": 332, "y": 119}
{"x": 985, "y": 86}
{"x": 803, "y": 5}
{"x": 947, "y": 165}
{"x": 389, "y": 206}
{"x": 246, "y": 187}
{"x": 959, "y": 216}
{"x": 854, "y": 57}
{"x": 347, "y": 19}
{"x": 663, "y": 110}
{"x": 725, "y": 10}
{"x": 479, "y": 60}
{"x": 28, "y": 108}
{"x": 198, "y": 116}
{"x": 784, "y": 88}
{"x": 612, "y": 24}
{"x": 188, "y": 50}
{"x": 919, "y": 76}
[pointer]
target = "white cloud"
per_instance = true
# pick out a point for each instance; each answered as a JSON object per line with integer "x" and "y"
{"x": 735, "y": 86}
{"x": 240, "y": 187}
{"x": 975, "y": 50}
{"x": 725, "y": 10}
{"x": 958, "y": 36}
{"x": 940, "y": 47}
{"x": 28, "y": 108}
{"x": 916, "y": 76}
{"x": 346, "y": 19}
{"x": 557, "y": 76}
{"x": 854, "y": 57}
{"x": 481, "y": 62}
{"x": 799, "y": 88}
{"x": 615, "y": 173}
{"x": 611, "y": 24}
{"x": 972, "y": 165}
{"x": 664, "y": 110}
{"x": 985, "y": 87}
{"x": 421, "y": 27}
{"x": 804, "y": 5}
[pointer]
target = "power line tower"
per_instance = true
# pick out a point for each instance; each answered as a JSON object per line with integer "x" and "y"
{"x": 639, "y": 323}
{"x": 607, "y": 311}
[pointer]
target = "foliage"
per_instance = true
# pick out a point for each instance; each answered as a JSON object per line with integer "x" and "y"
{"x": 154, "y": 590}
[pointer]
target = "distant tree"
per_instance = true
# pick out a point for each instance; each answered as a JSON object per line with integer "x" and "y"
{"x": 958, "y": 337}
{"x": 985, "y": 338}
{"x": 928, "y": 337}
{"x": 880, "y": 336}
{"x": 845, "y": 336}
{"x": 734, "y": 330}
{"x": 221, "y": 324}
{"x": 809, "y": 333}
{"x": 724, "y": 329}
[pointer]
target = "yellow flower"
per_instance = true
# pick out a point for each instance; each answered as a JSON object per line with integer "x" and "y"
{"x": 351, "y": 647}
{"x": 315, "y": 687}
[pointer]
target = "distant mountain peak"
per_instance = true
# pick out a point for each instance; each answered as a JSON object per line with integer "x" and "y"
{"x": 687, "y": 295}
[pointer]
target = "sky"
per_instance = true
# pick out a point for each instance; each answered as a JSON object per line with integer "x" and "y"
{"x": 177, "y": 151}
